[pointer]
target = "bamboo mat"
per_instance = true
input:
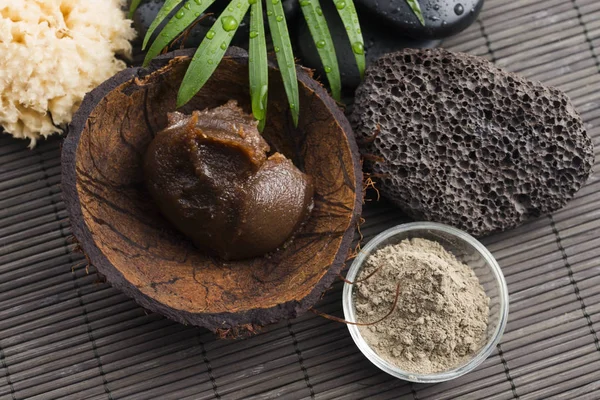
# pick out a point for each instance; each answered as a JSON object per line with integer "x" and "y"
{"x": 65, "y": 335}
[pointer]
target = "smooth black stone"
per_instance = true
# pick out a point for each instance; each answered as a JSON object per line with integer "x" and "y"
{"x": 443, "y": 18}
{"x": 291, "y": 9}
{"x": 378, "y": 41}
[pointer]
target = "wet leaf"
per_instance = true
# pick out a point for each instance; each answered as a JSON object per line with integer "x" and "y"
{"x": 211, "y": 50}
{"x": 350, "y": 19}
{"x": 185, "y": 16}
{"x": 317, "y": 24}
{"x": 284, "y": 54}
{"x": 258, "y": 64}
{"x": 162, "y": 14}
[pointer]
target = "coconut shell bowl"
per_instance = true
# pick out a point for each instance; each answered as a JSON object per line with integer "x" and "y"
{"x": 125, "y": 237}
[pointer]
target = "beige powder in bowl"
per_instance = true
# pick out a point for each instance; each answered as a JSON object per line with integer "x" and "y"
{"x": 441, "y": 315}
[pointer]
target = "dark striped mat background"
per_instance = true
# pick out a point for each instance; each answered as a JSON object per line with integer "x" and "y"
{"x": 64, "y": 335}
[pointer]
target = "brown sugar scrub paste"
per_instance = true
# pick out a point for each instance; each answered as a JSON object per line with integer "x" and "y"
{"x": 441, "y": 315}
{"x": 211, "y": 176}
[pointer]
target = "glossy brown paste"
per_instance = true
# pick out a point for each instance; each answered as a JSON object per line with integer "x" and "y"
{"x": 210, "y": 176}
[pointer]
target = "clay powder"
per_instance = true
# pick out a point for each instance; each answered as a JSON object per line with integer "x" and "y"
{"x": 441, "y": 316}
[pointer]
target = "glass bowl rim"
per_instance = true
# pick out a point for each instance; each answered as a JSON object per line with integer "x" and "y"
{"x": 386, "y": 366}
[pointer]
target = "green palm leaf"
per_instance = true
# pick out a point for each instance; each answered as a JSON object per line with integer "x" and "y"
{"x": 349, "y": 17}
{"x": 285, "y": 56}
{"x": 184, "y": 17}
{"x": 258, "y": 64}
{"x": 317, "y": 24}
{"x": 211, "y": 50}
{"x": 217, "y": 40}
{"x": 134, "y": 5}
{"x": 162, "y": 14}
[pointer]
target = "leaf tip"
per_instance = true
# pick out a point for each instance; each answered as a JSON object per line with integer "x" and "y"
{"x": 182, "y": 98}
{"x": 146, "y": 62}
{"x": 146, "y": 40}
{"x": 261, "y": 124}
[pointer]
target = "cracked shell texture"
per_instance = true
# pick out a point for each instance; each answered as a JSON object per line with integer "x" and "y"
{"x": 465, "y": 143}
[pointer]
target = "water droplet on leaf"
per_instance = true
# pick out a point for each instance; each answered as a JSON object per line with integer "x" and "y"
{"x": 210, "y": 62}
{"x": 229, "y": 23}
{"x": 279, "y": 18}
{"x": 327, "y": 69}
{"x": 253, "y": 34}
{"x": 275, "y": 1}
{"x": 269, "y": 13}
{"x": 199, "y": 2}
{"x": 180, "y": 14}
{"x": 304, "y": 3}
{"x": 320, "y": 44}
{"x": 251, "y": 2}
{"x": 340, "y": 5}
{"x": 358, "y": 48}
{"x": 187, "y": 6}
{"x": 276, "y": 49}
{"x": 319, "y": 11}
{"x": 210, "y": 34}
{"x": 223, "y": 46}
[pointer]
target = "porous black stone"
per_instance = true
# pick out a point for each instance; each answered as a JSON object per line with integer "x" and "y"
{"x": 378, "y": 41}
{"x": 443, "y": 18}
{"x": 465, "y": 143}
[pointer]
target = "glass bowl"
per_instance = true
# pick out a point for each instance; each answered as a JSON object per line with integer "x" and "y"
{"x": 466, "y": 249}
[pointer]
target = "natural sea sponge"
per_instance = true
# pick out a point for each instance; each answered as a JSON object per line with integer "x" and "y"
{"x": 52, "y": 52}
{"x": 465, "y": 143}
